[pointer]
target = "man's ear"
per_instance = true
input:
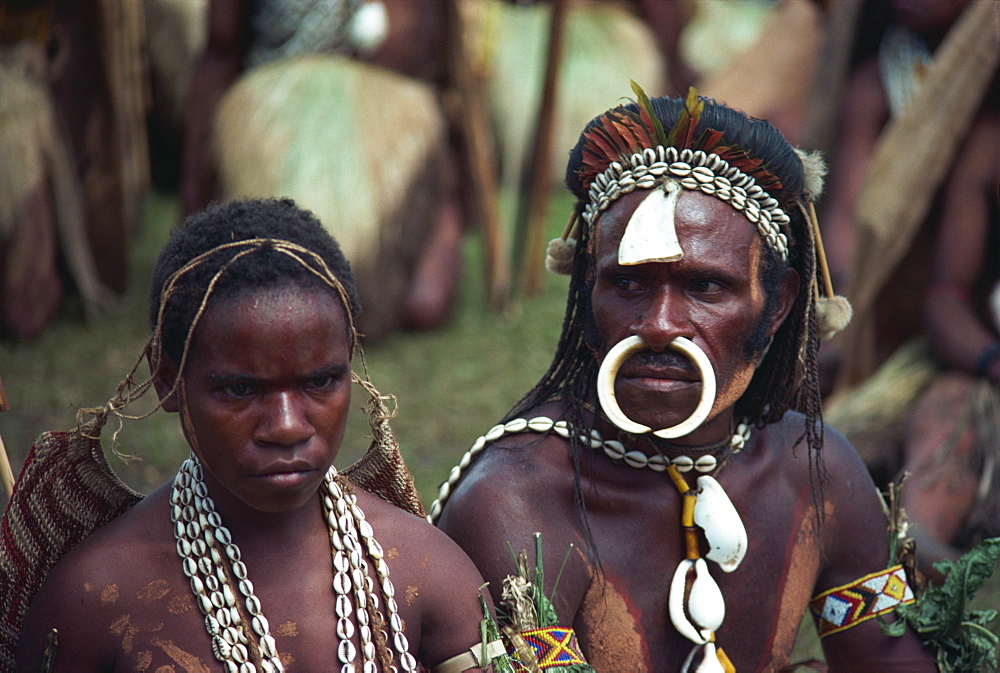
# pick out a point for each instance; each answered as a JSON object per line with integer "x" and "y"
{"x": 787, "y": 294}
{"x": 164, "y": 379}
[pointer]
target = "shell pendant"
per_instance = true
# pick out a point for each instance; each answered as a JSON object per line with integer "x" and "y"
{"x": 703, "y": 602}
{"x": 716, "y": 515}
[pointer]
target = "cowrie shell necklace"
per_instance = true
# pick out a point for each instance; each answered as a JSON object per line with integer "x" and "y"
{"x": 612, "y": 448}
{"x": 240, "y": 632}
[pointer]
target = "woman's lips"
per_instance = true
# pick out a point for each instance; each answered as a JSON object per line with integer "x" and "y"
{"x": 290, "y": 476}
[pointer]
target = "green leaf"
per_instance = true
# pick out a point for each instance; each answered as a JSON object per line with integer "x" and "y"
{"x": 489, "y": 632}
{"x": 894, "y": 629}
{"x": 941, "y": 619}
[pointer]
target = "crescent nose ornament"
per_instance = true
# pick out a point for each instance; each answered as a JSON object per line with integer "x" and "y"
{"x": 609, "y": 372}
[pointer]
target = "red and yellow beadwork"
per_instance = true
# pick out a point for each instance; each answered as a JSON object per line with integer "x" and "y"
{"x": 849, "y": 605}
{"x": 554, "y": 646}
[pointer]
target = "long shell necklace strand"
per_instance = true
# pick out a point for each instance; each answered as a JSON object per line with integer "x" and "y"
{"x": 695, "y": 605}
{"x": 212, "y": 562}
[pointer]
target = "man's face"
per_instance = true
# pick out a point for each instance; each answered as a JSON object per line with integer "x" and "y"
{"x": 713, "y": 296}
{"x": 267, "y": 388}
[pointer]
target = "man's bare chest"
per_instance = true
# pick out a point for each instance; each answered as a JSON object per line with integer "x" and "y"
{"x": 640, "y": 548}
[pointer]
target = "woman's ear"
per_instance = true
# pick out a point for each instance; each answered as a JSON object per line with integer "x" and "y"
{"x": 164, "y": 380}
{"x": 787, "y": 295}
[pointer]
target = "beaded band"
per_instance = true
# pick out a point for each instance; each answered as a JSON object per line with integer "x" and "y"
{"x": 694, "y": 170}
{"x": 849, "y": 605}
{"x": 554, "y": 647}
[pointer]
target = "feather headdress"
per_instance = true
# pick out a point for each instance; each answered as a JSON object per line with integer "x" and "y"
{"x": 623, "y": 131}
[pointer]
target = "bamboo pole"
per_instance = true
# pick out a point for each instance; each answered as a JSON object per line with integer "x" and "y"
{"x": 534, "y": 213}
{"x": 6, "y": 474}
{"x": 467, "y": 73}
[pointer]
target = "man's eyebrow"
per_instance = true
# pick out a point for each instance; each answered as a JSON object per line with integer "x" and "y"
{"x": 718, "y": 271}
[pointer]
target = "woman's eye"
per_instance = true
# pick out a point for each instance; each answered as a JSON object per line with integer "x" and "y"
{"x": 237, "y": 390}
{"x": 323, "y": 382}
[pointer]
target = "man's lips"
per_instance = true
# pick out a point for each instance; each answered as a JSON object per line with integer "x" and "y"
{"x": 660, "y": 374}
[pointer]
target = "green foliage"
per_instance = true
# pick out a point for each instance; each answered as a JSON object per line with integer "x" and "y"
{"x": 942, "y": 621}
{"x": 488, "y": 633}
{"x": 542, "y": 608}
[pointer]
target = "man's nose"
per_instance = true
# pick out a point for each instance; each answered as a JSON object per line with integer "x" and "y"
{"x": 664, "y": 319}
{"x": 284, "y": 420}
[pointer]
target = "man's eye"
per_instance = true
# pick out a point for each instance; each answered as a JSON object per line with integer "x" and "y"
{"x": 626, "y": 285}
{"x": 706, "y": 287}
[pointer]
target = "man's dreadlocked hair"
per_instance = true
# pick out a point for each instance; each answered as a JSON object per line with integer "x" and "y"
{"x": 787, "y": 378}
{"x": 237, "y": 221}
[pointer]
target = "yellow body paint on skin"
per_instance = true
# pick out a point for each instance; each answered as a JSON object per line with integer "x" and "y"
{"x": 179, "y": 604}
{"x": 143, "y": 660}
{"x": 287, "y": 629}
{"x": 124, "y": 629}
{"x": 155, "y": 590}
{"x": 109, "y": 594}
{"x": 187, "y": 661}
{"x": 613, "y": 637}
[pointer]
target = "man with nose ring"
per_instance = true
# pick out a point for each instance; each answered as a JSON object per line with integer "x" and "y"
{"x": 675, "y": 446}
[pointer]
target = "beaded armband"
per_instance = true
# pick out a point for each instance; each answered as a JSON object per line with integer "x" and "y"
{"x": 554, "y": 646}
{"x": 849, "y": 605}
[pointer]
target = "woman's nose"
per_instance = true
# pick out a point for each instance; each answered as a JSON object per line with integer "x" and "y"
{"x": 284, "y": 421}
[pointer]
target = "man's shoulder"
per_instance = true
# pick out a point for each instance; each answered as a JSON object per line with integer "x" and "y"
{"x": 790, "y": 432}
{"x": 520, "y": 483}
{"x": 784, "y": 448}
{"x": 524, "y": 463}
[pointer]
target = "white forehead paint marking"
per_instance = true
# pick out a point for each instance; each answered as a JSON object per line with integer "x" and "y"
{"x": 651, "y": 235}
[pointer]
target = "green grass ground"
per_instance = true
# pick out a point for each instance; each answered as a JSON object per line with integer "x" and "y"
{"x": 451, "y": 385}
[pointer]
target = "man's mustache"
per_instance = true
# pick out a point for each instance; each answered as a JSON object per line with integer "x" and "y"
{"x": 667, "y": 359}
